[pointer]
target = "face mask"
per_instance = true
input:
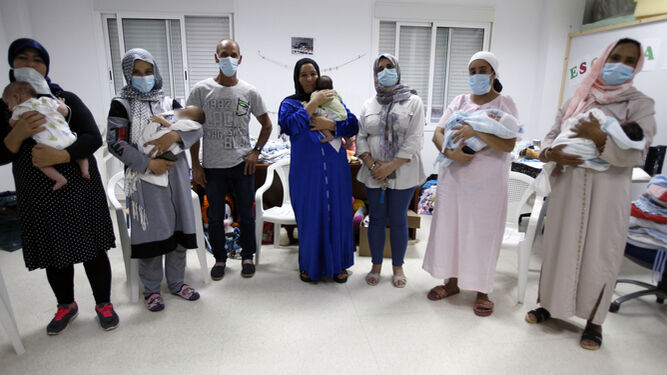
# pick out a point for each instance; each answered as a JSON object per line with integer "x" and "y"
{"x": 34, "y": 78}
{"x": 480, "y": 84}
{"x": 613, "y": 74}
{"x": 388, "y": 77}
{"x": 228, "y": 65}
{"x": 143, "y": 84}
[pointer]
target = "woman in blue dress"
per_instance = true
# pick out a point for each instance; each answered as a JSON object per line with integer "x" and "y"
{"x": 320, "y": 180}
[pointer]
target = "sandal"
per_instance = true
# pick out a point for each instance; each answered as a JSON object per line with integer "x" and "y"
{"x": 303, "y": 275}
{"x": 398, "y": 279}
{"x": 154, "y": 302}
{"x": 591, "y": 334}
{"x": 340, "y": 278}
{"x": 483, "y": 307}
{"x": 372, "y": 279}
{"x": 434, "y": 295}
{"x": 187, "y": 292}
{"x": 538, "y": 315}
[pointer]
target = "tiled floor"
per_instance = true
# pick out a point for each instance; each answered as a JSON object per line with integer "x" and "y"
{"x": 276, "y": 324}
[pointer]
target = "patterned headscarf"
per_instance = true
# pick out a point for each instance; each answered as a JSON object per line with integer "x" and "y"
{"x": 593, "y": 89}
{"x": 140, "y": 108}
{"x": 22, "y": 44}
{"x": 389, "y": 138}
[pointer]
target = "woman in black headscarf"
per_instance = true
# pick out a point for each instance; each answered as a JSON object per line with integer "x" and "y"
{"x": 319, "y": 179}
{"x": 70, "y": 225}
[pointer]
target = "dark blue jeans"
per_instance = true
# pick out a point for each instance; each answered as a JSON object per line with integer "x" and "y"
{"x": 394, "y": 208}
{"x": 217, "y": 180}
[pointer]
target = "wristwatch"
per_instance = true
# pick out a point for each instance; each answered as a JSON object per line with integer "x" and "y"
{"x": 258, "y": 149}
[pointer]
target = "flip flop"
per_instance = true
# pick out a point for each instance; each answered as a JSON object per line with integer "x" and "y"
{"x": 540, "y": 315}
{"x": 433, "y": 295}
{"x": 396, "y": 279}
{"x": 483, "y": 307}
{"x": 591, "y": 335}
{"x": 372, "y": 279}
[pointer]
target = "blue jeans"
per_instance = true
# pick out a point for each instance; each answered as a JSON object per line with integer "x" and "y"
{"x": 395, "y": 207}
{"x": 217, "y": 180}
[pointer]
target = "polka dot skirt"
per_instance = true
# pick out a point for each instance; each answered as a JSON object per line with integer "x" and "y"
{"x": 67, "y": 226}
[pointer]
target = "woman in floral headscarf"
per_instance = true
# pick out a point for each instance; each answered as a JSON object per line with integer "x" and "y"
{"x": 589, "y": 210}
{"x": 389, "y": 143}
{"x": 162, "y": 218}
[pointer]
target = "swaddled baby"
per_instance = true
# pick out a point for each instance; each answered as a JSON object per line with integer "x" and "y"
{"x": 490, "y": 121}
{"x": 626, "y": 136}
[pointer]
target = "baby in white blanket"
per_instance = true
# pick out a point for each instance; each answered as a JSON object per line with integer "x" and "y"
{"x": 626, "y": 136}
{"x": 188, "y": 118}
{"x": 20, "y": 98}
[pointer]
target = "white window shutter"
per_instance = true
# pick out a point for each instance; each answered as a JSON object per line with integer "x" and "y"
{"x": 177, "y": 59}
{"x": 387, "y": 40}
{"x": 202, "y": 35}
{"x": 440, "y": 73}
{"x": 151, "y": 35}
{"x": 465, "y": 42}
{"x": 414, "y": 57}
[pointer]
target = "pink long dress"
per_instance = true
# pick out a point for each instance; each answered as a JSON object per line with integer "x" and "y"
{"x": 471, "y": 205}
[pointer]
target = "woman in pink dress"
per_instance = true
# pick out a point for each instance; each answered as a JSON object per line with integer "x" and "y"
{"x": 471, "y": 202}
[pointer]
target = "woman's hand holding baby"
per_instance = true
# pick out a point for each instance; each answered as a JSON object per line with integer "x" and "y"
{"x": 163, "y": 143}
{"x": 590, "y": 129}
{"x": 159, "y": 166}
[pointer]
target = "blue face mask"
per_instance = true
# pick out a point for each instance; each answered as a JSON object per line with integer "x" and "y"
{"x": 228, "y": 65}
{"x": 388, "y": 77}
{"x": 614, "y": 74}
{"x": 143, "y": 84}
{"x": 480, "y": 84}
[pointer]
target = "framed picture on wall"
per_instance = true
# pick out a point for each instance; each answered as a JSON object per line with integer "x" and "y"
{"x": 302, "y": 46}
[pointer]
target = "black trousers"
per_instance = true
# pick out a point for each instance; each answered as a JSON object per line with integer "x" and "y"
{"x": 98, "y": 271}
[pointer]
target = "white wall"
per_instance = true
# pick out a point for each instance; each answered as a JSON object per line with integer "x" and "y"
{"x": 531, "y": 55}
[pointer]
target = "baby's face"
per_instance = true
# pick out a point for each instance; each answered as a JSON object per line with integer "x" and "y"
{"x": 12, "y": 100}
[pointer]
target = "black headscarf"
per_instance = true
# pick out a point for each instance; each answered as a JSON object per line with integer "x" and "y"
{"x": 301, "y": 95}
{"x": 22, "y": 44}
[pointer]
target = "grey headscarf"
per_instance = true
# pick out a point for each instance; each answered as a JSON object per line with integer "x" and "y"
{"x": 389, "y": 138}
{"x": 140, "y": 108}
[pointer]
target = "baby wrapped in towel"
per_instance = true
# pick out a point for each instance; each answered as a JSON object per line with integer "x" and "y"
{"x": 490, "y": 121}
{"x": 626, "y": 136}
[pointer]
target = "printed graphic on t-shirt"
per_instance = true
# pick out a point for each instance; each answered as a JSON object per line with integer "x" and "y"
{"x": 223, "y": 126}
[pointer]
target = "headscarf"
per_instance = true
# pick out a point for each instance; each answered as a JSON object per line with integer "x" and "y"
{"x": 593, "y": 89}
{"x": 140, "y": 108}
{"x": 301, "y": 95}
{"x": 493, "y": 62}
{"x": 388, "y": 137}
{"x": 20, "y": 45}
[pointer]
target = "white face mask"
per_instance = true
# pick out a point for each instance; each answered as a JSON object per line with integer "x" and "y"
{"x": 36, "y": 80}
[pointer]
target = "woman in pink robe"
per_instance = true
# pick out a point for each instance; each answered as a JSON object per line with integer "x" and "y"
{"x": 589, "y": 211}
{"x": 471, "y": 201}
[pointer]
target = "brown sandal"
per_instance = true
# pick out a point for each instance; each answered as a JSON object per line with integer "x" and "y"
{"x": 435, "y": 295}
{"x": 483, "y": 307}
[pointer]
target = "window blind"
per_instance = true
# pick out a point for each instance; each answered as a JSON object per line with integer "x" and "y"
{"x": 414, "y": 57}
{"x": 465, "y": 42}
{"x": 387, "y": 40}
{"x": 440, "y": 73}
{"x": 202, "y": 35}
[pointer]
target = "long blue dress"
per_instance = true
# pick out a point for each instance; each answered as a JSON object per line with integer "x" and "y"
{"x": 321, "y": 192}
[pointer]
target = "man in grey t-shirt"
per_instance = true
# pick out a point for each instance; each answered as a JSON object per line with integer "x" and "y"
{"x": 228, "y": 157}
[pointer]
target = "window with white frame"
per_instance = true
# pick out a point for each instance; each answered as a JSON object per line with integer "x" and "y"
{"x": 434, "y": 58}
{"x": 183, "y": 47}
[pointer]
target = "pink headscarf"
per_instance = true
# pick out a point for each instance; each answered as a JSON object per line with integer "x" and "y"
{"x": 593, "y": 89}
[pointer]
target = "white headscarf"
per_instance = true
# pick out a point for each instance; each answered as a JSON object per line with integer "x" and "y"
{"x": 488, "y": 57}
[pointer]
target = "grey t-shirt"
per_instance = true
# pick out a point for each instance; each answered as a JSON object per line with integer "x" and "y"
{"x": 226, "y": 138}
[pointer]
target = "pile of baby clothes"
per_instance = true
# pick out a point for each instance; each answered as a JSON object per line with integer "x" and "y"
{"x": 648, "y": 222}
{"x": 426, "y": 203}
{"x": 274, "y": 150}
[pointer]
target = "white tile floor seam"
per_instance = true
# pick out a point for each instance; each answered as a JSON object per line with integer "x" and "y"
{"x": 275, "y": 324}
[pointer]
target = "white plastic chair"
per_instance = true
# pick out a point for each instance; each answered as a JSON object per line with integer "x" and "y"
{"x": 281, "y": 215}
{"x": 114, "y": 191}
{"x": 7, "y": 318}
{"x": 519, "y": 190}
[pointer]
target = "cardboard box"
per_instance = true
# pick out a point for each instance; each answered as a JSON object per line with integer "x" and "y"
{"x": 364, "y": 249}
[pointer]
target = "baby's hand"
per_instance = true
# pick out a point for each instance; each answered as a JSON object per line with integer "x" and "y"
{"x": 160, "y": 120}
{"x": 495, "y": 117}
{"x": 12, "y": 122}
